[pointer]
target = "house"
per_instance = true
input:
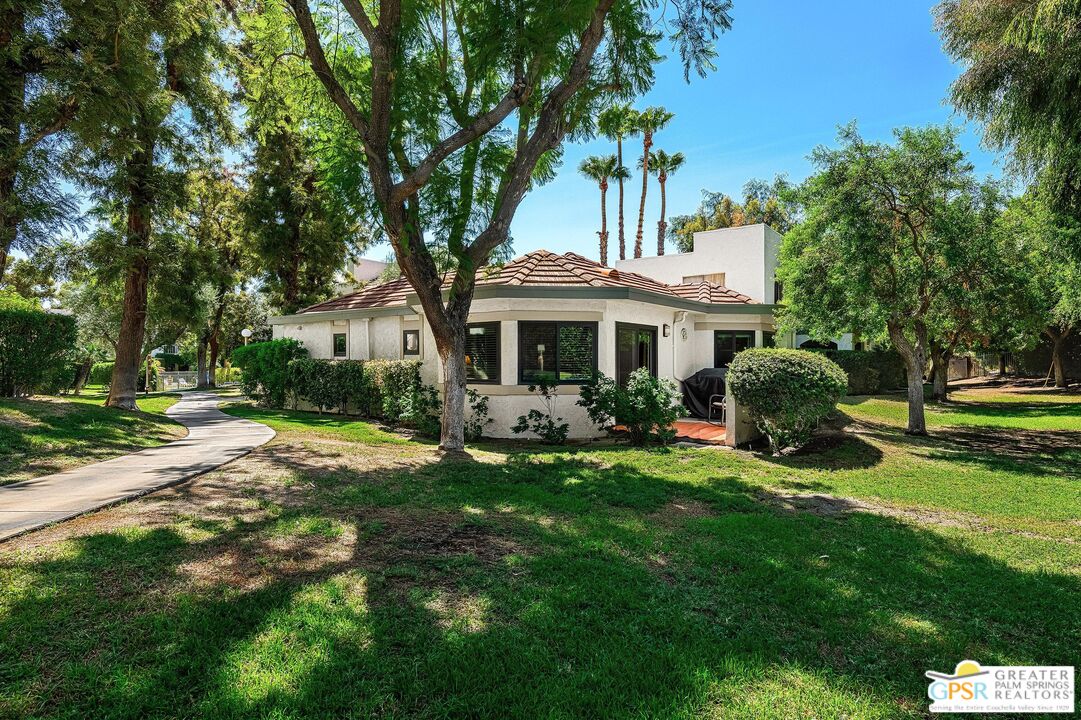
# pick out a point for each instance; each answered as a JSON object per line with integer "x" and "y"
{"x": 556, "y": 313}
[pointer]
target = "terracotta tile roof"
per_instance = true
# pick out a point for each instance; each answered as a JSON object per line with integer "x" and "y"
{"x": 539, "y": 268}
{"x": 707, "y": 292}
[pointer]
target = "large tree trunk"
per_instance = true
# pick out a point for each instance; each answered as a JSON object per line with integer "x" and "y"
{"x": 915, "y": 359}
{"x": 940, "y": 372}
{"x": 646, "y": 142}
{"x": 1058, "y": 361}
{"x": 604, "y": 225}
{"x": 214, "y": 337}
{"x": 661, "y": 225}
{"x": 129, "y": 343}
{"x": 622, "y": 236}
{"x": 200, "y": 361}
{"x": 452, "y": 353}
{"x": 12, "y": 100}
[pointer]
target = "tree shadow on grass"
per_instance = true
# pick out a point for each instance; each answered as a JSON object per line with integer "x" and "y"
{"x": 558, "y": 586}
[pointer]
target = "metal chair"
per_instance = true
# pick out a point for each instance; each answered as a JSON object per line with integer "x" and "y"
{"x": 719, "y": 406}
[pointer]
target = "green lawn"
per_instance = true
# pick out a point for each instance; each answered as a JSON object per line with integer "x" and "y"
{"x": 343, "y": 572}
{"x": 43, "y": 435}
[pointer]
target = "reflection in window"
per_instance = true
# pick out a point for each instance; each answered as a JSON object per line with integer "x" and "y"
{"x": 556, "y": 352}
{"x": 340, "y": 350}
{"x": 482, "y": 352}
{"x": 411, "y": 342}
{"x": 726, "y": 343}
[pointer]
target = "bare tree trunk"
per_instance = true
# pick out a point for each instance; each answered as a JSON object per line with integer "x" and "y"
{"x": 604, "y": 225}
{"x": 452, "y": 353}
{"x": 129, "y": 342}
{"x": 214, "y": 337}
{"x": 1002, "y": 364}
{"x": 12, "y": 100}
{"x": 200, "y": 362}
{"x": 940, "y": 374}
{"x": 661, "y": 225}
{"x": 915, "y": 358}
{"x": 1058, "y": 362}
{"x": 622, "y": 236}
{"x": 81, "y": 374}
{"x": 646, "y": 142}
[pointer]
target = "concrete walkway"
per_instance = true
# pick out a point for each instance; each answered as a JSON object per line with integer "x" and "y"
{"x": 214, "y": 439}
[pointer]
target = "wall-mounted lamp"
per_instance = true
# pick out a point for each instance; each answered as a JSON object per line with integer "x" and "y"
{"x": 666, "y": 330}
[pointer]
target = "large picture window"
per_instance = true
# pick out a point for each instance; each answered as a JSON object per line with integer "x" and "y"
{"x": 726, "y": 343}
{"x": 482, "y": 352}
{"x": 556, "y": 352}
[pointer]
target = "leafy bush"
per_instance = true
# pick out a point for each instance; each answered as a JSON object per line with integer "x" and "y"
{"x": 101, "y": 373}
{"x": 543, "y": 423}
{"x": 172, "y": 361}
{"x": 478, "y": 418}
{"x": 787, "y": 392}
{"x": 227, "y": 374}
{"x": 265, "y": 368}
{"x": 328, "y": 384}
{"x": 393, "y": 383}
{"x": 869, "y": 371}
{"x": 35, "y": 346}
{"x": 647, "y": 407}
{"x": 419, "y": 409}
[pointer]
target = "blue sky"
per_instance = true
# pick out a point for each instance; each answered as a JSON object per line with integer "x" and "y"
{"x": 788, "y": 74}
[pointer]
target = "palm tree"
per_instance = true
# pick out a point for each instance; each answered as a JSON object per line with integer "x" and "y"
{"x": 650, "y": 121}
{"x": 662, "y": 165}
{"x": 600, "y": 168}
{"x": 616, "y": 123}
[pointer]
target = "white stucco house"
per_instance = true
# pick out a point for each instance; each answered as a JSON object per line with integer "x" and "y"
{"x": 569, "y": 315}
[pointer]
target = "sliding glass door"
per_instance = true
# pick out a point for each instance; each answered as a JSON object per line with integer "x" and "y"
{"x": 636, "y": 347}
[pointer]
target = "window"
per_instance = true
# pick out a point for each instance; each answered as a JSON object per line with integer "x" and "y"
{"x": 715, "y": 278}
{"x": 778, "y": 292}
{"x": 482, "y": 352}
{"x": 411, "y": 342}
{"x": 559, "y": 352}
{"x": 340, "y": 350}
{"x": 726, "y": 343}
{"x": 769, "y": 339}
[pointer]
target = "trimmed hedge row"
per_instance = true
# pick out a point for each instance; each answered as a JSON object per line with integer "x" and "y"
{"x": 265, "y": 369}
{"x": 36, "y": 347}
{"x": 869, "y": 371}
{"x": 101, "y": 373}
{"x": 787, "y": 392}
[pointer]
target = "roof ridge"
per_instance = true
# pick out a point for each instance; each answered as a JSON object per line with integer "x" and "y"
{"x": 567, "y": 264}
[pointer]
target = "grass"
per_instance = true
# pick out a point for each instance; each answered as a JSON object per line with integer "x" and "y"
{"x": 341, "y": 571}
{"x": 43, "y": 435}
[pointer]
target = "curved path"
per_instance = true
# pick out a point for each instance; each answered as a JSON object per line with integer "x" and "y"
{"x": 213, "y": 439}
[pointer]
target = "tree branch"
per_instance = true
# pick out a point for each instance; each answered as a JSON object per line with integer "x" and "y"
{"x": 364, "y": 23}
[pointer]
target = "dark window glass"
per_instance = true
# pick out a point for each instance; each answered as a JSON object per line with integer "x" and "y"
{"x": 411, "y": 342}
{"x": 556, "y": 352}
{"x": 769, "y": 339}
{"x": 778, "y": 292}
{"x": 482, "y": 352}
{"x": 339, "y": 345}
{"x": 726, "y": 343}
{"x": 636, "y": 347}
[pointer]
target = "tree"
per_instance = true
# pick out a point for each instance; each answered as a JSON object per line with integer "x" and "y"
{"x": 650, "y": 121}
{"x": 213, "y": 219}
{"x": 662, "y": 165}
{"x": 877, "y": 248}
{"x": 599, "y": 168}
{"x": 301, "y": 232}
{"x": 441, "y": 99}
{"x": 44, "y": 73}
{"x": 770, "y": 203}
{"x": 135, "y": 136}
{"x": 616, "y": 123}
{"x": 1050, "y": 306}
{"x": 1022, "y": 65}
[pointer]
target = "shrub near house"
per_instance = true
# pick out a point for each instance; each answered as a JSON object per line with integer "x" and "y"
{"x": 787, "y": 392}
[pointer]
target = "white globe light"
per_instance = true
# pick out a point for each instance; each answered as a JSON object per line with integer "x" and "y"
{"x": 245, "y": 333}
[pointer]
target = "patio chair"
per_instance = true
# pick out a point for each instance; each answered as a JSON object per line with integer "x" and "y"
{"x": 717, "y": 406}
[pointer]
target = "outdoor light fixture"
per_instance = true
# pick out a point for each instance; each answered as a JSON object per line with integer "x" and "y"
{"x": 245, "y": 333}
{"x": 666, "y": 330}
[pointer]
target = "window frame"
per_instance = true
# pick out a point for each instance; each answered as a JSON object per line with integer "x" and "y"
{"x": 733, "y": 333}
{"x": 405, "y": 343}
{"x": 334, "y": 345}
{"x": 654, "y": 350}
{"x": 592, "y": 325}
{"x": 498, "y": 379}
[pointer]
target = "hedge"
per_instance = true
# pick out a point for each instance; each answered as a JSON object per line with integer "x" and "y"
{"x": 786, "y": 392}
{"x": 869, "y": 371}
{"x": 35, "y": 347}
{"x": 394, "y": 386}
{"x": 329, "y": 384}
{"x": 264, "y": 369}
{"x": 101, "y": 373}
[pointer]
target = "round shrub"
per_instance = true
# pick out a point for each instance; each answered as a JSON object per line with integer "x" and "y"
{"x": 786, "y": 392}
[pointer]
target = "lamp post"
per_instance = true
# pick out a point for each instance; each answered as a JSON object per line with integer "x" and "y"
{"x": 245, "y": 333}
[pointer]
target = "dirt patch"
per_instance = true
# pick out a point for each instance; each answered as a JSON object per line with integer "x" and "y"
{"x": 676, "y": 511}
{"x": 831, "y": 506}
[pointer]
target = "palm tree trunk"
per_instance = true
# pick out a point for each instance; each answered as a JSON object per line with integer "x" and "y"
{"x": 604, "y": 225}
{"x": 622, "y": 237}
{"x": 661, "y": 225}
{"x": 646, "y": 141}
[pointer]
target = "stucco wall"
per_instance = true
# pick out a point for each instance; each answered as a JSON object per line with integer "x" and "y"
{"x": 746, "y": 255}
